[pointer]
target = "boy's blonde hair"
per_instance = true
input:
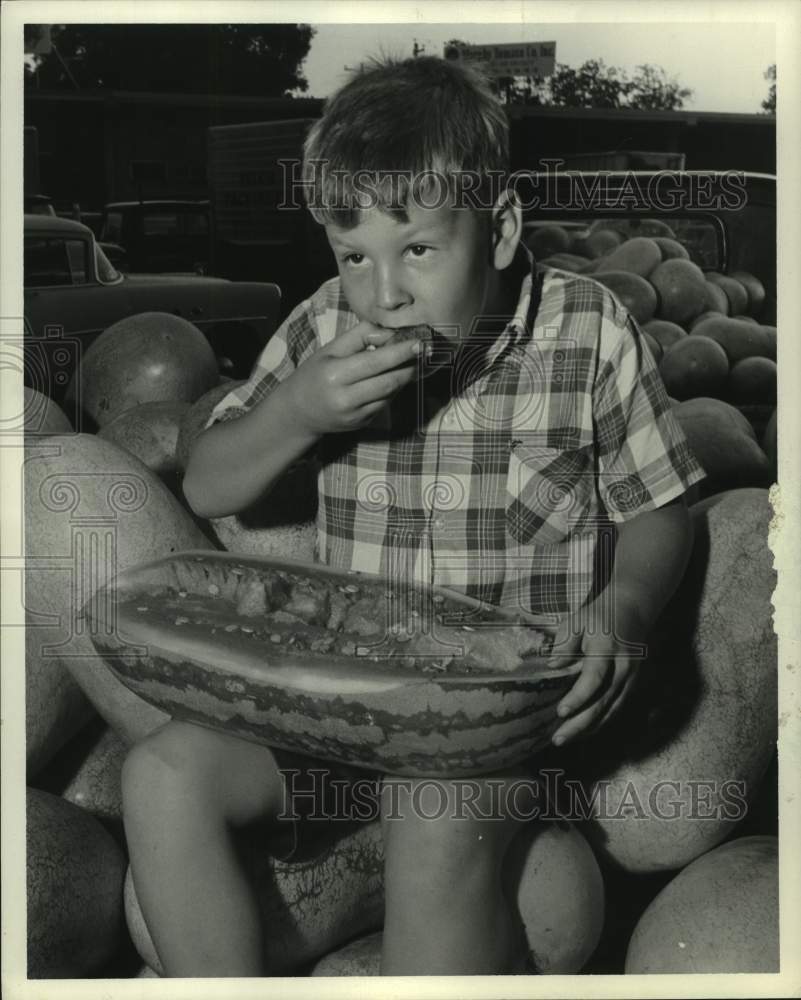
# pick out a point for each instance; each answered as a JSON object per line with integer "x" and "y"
{"x": 401, "y": 129}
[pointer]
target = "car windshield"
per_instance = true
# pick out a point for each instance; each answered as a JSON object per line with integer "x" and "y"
{"x": 106, "y": 272}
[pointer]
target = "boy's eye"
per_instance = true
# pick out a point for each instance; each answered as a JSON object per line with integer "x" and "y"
{"x": 353, "y": 258}
{"x": 418, "y": 249}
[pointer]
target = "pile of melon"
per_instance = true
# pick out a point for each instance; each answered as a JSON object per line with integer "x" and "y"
{"x": 103, "y": 501}
{"x": 703, "y": 330}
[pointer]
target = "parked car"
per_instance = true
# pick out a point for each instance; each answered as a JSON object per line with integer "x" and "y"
{"x": 73, "y": 293}
{"x": 159, "y": 236}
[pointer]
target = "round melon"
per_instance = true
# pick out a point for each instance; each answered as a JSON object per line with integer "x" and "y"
{"x": 753, "y": 380}
{"x": 330, "y": 896}
{"x": 91, "y": 510}
{"x": 667, "y": 334}
{"x": 770, "y": 445}
{"x": 738, "y": 339}
{"x": 724, "y": 442}
{"x": 282, "y": 523}
{"x": 150, "y": 432}
{"x": 754, "y": 288}
{"x": 547, "y": 240}
{"x": 680, "y": 287}
{"x": 770, "y": 341}
{"x": 601, "y": 242}
{"x": 702, "y": 317}
{"x": 671, "y": 249}
{"x": 41, "y": 415}
{"x": 719, "y": 915}
{"x": 75, "y": 879}
{"x": 96, "y": 785}
{"x": 635, "y": 293}
{"x": 196, "y": 418}
{"x": 735, "y": 292}
{"x": 638, "y": 255}
{"x": 675, "y": 773}
{"x": 694, "y": 366}
{"x": 146, "y": 358}
{"x": 715, "y": 299}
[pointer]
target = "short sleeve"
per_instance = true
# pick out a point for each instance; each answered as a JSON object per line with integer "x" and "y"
{"x": 297, "y": 338}
{"x": 643, "y": 457}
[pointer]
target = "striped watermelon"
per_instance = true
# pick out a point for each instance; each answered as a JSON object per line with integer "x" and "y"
{"x": 186, "y": 642}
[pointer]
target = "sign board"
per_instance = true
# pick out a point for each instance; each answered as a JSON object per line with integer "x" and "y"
{"x": 509, "y": 59}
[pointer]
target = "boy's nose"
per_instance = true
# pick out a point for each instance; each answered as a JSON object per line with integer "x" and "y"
{"x": 388, "y": 290}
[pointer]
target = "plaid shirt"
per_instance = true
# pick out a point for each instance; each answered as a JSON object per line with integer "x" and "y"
{"x": 498, "y": 472}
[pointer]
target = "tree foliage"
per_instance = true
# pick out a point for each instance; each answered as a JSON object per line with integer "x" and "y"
{"x": 769, "y": 104}
{"x": 596, "y": 85}
{"x": 255, "y": 59}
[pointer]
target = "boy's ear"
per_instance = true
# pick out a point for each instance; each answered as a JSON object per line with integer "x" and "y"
{"x": 507, "y": 229}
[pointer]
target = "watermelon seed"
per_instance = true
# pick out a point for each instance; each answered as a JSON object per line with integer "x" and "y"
{"x": 231, "y": 628}
{"x": 182, "y": 593}
{"x": 275, "y": 637}
{"x": 351, "y": 588}
{"x": 246, "y": 628}
{"x": 143, "y": 608}
{"x": 181, "y": 621}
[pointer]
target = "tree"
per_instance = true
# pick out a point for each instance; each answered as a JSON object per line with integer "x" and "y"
{"x": 769, "y": 104}
{"x": 596, "y": 85}
{"x": 256, "y": 59}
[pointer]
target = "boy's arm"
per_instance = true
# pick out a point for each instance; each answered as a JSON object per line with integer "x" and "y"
{"x": 339, "y": 388}
{"x": 651, "y": 555}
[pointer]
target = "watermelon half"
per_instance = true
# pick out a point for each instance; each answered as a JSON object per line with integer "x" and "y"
{"x": 239, "y": 644}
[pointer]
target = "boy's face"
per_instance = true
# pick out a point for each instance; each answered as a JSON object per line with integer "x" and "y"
{"x": 434, "y": 269}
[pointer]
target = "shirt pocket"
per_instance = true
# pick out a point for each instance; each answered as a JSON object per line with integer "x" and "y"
{"x": 549, "y": 492}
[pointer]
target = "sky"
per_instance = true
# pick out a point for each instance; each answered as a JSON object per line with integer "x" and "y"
{"x": 722, "y": 63}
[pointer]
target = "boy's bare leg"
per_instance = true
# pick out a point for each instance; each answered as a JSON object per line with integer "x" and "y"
{"x": 446, "y": 913}
{"x": 184, "y": 790}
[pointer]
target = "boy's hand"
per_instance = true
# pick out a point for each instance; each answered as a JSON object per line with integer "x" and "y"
{"x": 343, "y": 385}
{"x": 609, "y": 659}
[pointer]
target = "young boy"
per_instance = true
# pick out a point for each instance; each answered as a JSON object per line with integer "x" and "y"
{"x": 499, "y": 472}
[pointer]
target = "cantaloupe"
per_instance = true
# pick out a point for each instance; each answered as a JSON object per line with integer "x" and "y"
{"x": 725, "y": 444}
{"x": 694, "y": 366}
{"x": 150, "y": 432}
{"x": 702, "y": 317}
{"x": 196, "y": 418}
{"x": 635, "y": 293}
{"x": 754, "y": 288}
{"x": 738, "y": 339}
{"x": 681, "y": 290}
{"x": 667, "y": 334}
{"x": 568, "y": 262}
{"x": 282, "y": 523}
{"x": 313, "y": 906}
{"x": 601, "y": 242}
{"x": 719, "y": 915}
{"x": 41, "y": 415}
{"x": 770, "y": 341}
{"x": 671, "y": 249}
{"x": 639, "y": 255}
{"x": 672, "y": 777}
{"x": 734, "y": 291}
{"x": 546, "y": 240}
{"x": 752, "y": 380}
{"x": 88, "y": 772}
{"x": 75, "y": 879}
{"x": 715, "y": 299}
{"x": 146, "y": 358}
{"x": 91, "y": 510}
